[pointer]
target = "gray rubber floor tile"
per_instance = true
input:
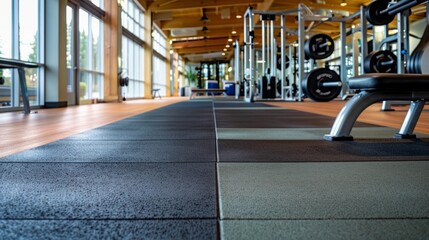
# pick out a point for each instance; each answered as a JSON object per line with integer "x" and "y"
{"x": 389, "y": 229}
{"x": 323, "y": 151}
{"x": 61, "y": 191}
{"x": 354, "y": 190}
{"x": 108, "y": 229}
{"x": 119, "y": 151}
{"x": 153, "y": 125}
{"x": 109, "y": 134}
{"x": 171, "y": 117}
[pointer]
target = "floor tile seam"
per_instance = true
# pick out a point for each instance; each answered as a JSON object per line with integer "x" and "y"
{"x": 424, "y": 159}
{"x": 111, "y": 219}
{"x": 131, "y": 140}
{"x": 218, "y": 191}
{"x": 325, "y": 219}
{"x": 109, "y": 163}
{"x": 137, "y": 140}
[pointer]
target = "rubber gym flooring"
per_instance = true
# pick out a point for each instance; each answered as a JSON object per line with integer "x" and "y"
{"x": 207, "y": 169}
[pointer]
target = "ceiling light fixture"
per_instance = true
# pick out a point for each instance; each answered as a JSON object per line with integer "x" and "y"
{"x": 204, "y": 18}
{"x": 343, "y": 3}
{"x": 234, "y": 32}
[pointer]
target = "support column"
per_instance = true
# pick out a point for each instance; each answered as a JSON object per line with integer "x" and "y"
{"x": 112, "y": 50}
{"x": 148, "y": 53}
{"x": 55, "y": 54}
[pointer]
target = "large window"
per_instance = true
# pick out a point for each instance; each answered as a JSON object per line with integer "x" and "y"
{"x": 159, "y": 42}
{"x": 132, "y": 48}
{"x": 159, "y": 75}
{"x": 133, "y": 65}
{"x": 19, "y": 40}
{"x": 133, "y": 18}
{"x": 91, "y": 56}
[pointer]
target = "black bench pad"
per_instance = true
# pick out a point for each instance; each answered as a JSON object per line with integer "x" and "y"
{"x": 390, "y": 81}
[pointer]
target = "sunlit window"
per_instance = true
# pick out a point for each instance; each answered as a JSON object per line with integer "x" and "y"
{"x": 132, "y": 48}
{"x": 19, "y": 40}
{"x": 91, "y": 56}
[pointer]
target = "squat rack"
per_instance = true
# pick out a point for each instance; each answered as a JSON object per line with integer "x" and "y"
{"x": 249, "y": 49}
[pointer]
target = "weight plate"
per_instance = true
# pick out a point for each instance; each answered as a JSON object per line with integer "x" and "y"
{"x": 279, "y": 62}
{"x": 423, "y": 61}
{"x": 313, "y": 85}
{"x": 319, "y": 46}
{"x": 279, "y": 85}
{"x": 374, "y": 15}
{"x": 381, "y": 62}
{"x": 264, "y": 88}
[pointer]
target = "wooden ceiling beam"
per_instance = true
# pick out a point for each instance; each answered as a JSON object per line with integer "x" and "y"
{"x": 200, "y": 43}
{"x": 184, "y": 22}
{"x": 196, "y": 50}
{"x": 293, "y": 4}
{"x": 192, "y": 4}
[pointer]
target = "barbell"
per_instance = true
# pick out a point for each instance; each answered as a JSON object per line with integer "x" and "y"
{"x": 319, "y": 46}
{"x": 322, "y": 84}
{"x": 382, "y": 12}
{"x": 383, "y": 61}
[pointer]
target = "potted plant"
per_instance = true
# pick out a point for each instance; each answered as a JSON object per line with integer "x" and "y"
{"x": 191, "y": 76}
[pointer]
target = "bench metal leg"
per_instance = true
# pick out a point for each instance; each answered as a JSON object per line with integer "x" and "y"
{"x": 24, "y": 90}
{"x": 349, "y": 113}
{"x": 357, "y": 104}
{"x": 410, "y": 120}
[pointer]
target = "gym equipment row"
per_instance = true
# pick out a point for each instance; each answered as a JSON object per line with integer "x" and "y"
{"x": 323, "y": 84}
{"x": 375, "y": 87}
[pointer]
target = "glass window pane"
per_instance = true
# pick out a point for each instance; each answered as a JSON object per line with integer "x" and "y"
{"x": 83, "y": 85}
{"x": 6, "y": 90}
{"x": 69, "y": 27}
{"x": 83, "y": 39}
{"x": 6, "y": 29}
{"x": 97, "y": 47}
{"x": 28, "y": 25}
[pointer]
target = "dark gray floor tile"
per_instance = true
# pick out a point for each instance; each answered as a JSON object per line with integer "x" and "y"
{"x": 108, "y": 229}
{"x": 109, "y": 134}
{"x": 107, "y": 191}
{"x": 119, "y": 151}
{"x": 284, "y": 118}
{"x": 153, "y": 125}
{"x": 323, "y": 151}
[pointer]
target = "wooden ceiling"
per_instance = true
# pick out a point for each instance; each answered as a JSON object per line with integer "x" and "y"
{"x": 181, "y": 21}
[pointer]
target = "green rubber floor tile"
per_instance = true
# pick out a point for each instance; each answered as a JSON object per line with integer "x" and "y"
{"x": 353, "y": 190}
{"x": 391, "y": 229}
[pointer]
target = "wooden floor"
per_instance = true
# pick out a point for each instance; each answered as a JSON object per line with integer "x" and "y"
{"x": 20, "y": 132}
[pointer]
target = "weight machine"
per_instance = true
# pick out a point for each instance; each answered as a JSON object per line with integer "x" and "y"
{"x": 268, "y": 54}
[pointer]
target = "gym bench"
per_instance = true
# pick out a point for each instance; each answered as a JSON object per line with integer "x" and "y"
{"x": 211, "y": 91}
{"x": 155, "y": 92}
{"x": 20, "y": 67}
{"x": 378, "y": 87}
